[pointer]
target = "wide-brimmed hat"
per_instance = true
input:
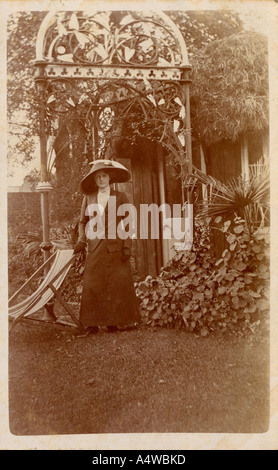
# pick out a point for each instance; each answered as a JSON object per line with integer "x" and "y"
{"x": 117, "y": 172}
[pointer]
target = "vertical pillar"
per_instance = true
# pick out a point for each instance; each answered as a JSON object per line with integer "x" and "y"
{"x": 244, "y": 159}
{"x": 44, "y": 185}
{"x": 204, "y": 170}
{"x": 187, "y": 126}
{"x": 188, "y": 142}
{"x": 161, "y": 185}
{"x": 95, "y": 132}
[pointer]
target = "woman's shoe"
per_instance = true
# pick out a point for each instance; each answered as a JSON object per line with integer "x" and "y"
{"x": 89, "y": 331}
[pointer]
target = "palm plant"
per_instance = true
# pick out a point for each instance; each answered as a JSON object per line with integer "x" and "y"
{"x": 30, "y": 243}
{"x": 61, "y": 238}
{"x": 247, "y": 198}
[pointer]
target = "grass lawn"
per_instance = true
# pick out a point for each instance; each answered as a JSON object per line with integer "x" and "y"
{"x": 140, "y": 381}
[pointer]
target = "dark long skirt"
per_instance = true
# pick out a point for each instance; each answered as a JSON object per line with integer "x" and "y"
{"x": 108, "y": 297}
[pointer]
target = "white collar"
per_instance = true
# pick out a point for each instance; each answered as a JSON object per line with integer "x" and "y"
{"x": 104, "y": 191}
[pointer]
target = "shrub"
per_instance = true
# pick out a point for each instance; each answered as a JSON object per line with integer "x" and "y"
{"x": 23, "y": 259}
{"x": 202, "y": 294}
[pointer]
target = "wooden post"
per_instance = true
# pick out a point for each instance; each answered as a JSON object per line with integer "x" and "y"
{"x": 244, "y": 158}
{"x": 204, "y": 170}
{"x": 188, "y": 141}
{"x": 161, "y": 183}
{"x": 95, "y": 133}
{"x": 187, "y": 126}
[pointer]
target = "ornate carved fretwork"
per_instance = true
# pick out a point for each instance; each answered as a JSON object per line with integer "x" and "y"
{"x": 113, "y": 38}
{"x": 97, "y": 67}
{"x": 112, "y": 73}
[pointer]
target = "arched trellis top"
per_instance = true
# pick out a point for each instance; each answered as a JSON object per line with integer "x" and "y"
{"x": 111, "y": 45}
{"x": 122, "y": 49}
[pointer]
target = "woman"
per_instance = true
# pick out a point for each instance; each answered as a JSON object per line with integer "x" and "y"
{"x": 108, "y": 297}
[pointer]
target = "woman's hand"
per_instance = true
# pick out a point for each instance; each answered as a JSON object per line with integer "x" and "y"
{"x": 126, "y": 254}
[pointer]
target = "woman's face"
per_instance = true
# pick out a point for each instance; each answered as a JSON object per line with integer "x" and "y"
{"x": 102, "y": 179}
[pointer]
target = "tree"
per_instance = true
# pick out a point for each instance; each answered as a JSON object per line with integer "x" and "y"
{"x": 22, "y": 31}
{"x": 229, "y": 90}
{"x": 32, "y": 179}
{"x": 200, "y": 28}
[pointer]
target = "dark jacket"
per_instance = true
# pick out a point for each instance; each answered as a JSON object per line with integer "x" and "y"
{"x": 110, "y": 223}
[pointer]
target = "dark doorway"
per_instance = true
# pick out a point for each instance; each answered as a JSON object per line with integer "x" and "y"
{"x": 143, "y": 188}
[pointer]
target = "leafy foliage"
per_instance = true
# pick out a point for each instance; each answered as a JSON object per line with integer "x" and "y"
{"x": 150, "y": 122}
{"x": 24, "y": 259}
{"x": 71, "y": 165}
{"x": 22, "y": 28}
{"x": 201, "y": 27}
{"x": 229, "y": 89}
{"x": 249, "y": 198}
{"x": 202, "y": 294}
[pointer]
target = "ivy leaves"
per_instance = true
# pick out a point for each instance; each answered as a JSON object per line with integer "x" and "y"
{"x": 201, "y": 294}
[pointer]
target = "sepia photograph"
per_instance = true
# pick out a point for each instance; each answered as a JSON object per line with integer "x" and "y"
{"x": 140, "y": 211}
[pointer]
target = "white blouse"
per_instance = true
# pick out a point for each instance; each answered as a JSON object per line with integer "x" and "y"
{"x": 102, "y": 198}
